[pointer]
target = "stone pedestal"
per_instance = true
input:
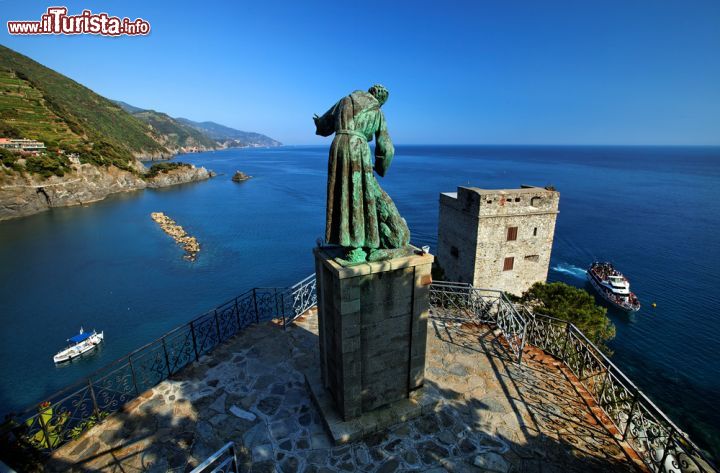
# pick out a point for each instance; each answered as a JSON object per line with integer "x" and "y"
{"x": 372, "y": 322}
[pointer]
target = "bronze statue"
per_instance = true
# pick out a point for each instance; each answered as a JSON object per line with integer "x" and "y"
{"x": 359, "y": 213}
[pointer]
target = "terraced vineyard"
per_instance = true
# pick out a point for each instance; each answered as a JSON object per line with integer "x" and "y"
{"x": 39, "y": 103}
{"x": 25, "y": 114}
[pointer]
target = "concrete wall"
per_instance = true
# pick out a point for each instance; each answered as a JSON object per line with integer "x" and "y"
{"x": 473, "y": 236}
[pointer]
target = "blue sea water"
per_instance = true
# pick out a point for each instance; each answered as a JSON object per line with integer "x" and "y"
{"x": 653, "y": 211}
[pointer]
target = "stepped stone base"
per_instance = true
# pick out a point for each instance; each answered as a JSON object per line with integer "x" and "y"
{"x": 419, "y": 402}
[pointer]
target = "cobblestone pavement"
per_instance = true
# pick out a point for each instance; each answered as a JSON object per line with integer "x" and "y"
{"x": 494, "y": 415}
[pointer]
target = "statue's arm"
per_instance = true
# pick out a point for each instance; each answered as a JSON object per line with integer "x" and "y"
{"x": 325, "y": 125}
{"x": 384, "y": 149}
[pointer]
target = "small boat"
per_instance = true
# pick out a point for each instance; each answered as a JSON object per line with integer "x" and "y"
{"x": 80, "y": 344}
{"x": 612, "y": 286}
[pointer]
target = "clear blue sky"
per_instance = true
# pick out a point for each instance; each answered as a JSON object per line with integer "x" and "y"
{"x": 502, "y": 72}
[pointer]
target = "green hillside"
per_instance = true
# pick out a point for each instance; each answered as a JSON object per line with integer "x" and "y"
{"x": 222, "y": 133}
{"x": 39, "y": 103}
{"x": 174, "y": 134}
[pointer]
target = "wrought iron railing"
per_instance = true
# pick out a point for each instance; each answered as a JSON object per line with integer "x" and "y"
{"x": 222, "y": 461}
{"x": 464, "y": 302}
{"x": 662, "y": 446}
{"x": 65, "y": 415}
{"x": 301, "y": 297}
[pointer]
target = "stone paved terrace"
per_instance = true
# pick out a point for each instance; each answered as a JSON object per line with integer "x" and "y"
{"x": 493, "y": 415}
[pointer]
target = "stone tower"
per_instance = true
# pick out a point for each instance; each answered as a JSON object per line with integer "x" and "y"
{"x": 497, "y": 239}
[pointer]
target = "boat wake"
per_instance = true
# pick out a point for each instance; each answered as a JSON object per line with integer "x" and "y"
{"x": 570, "y": 269}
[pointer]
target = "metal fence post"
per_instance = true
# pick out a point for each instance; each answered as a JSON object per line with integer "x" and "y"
{"x": 631, "y": 413}
{"x": 601, "y": 393}
{"x": 257, "y": 314}
{"x": 132, "y": 372}
{"x": 277, "y": 311}
{"x": 192, "y": 332}
{"x": 44, "y": 427}
{"x": 567, "y": 340}
{"x": 522, "y": 344}
{"x": 667, "y": 449}
{"x": 94, "y": 401}
{"x": 167, "y": 358}
{"x": 217, "y": 327}
{"x": 237, "y": 314}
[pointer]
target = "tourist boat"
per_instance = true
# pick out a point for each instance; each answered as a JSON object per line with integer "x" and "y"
{"x": 80, "y": 344}
{"x": 612, "y": 286}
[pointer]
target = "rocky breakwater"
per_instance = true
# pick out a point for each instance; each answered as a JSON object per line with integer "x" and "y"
{"x": 169, "y": 226}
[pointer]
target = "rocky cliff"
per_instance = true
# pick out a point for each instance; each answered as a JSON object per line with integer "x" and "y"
{"x": 27, "y": 194}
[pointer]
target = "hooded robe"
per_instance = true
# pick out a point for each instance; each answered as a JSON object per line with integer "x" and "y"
{"x": 359, "y": 213}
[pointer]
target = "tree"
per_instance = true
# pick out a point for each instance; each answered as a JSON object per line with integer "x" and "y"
{"x": 574, "y": 305}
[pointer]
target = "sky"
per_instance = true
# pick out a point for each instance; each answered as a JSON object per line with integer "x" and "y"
{"x": 459, "y": 72}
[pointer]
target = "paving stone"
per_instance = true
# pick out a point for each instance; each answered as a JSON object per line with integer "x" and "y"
{"x": 491, "y": 462}
{"x": 289, "y": 465}
{"x": 242, "y": 414}
{"x": 218, "y": 404}
{"x": 389, "y": 466}
{"x": 321, "y": 440}
{"x": 264, "y": 467}
{"x": 283, "y": 428}
{"x": 430, "y": 452}
{"x": 262, "y": 452}
{"x": 482, "y": 413}
{"x": 269, "y": 405}
{"x": 203, "y": 429}
{"x": 256, "y": 435}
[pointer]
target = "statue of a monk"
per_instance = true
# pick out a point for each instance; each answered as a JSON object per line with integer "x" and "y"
{"x": 359, "y": 213}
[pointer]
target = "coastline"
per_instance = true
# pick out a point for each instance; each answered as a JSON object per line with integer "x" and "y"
{"x": 22, "y": 195}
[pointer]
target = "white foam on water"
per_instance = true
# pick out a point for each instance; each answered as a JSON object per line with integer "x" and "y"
{"x": 570, "y": 269}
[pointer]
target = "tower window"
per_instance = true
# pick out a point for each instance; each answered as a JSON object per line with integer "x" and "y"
{"x": 508, "y": 263}
{"x": 454, "y": 251}
{"x": 512, "y": 233}
{"x": 517, "y": 199}
{"x": 533, "y": 258}
{"x": 535, "y": 231}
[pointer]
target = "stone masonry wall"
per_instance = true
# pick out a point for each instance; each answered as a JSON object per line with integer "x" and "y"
{"x": 473, "y": 236}
{"x": 373, "y": 325}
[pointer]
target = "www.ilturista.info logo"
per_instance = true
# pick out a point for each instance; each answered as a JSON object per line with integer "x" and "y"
{"x": 57, "y": 21}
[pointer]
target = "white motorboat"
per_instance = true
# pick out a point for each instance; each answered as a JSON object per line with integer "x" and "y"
{"x": 612, "y": 286}
{"x": 80, "y": 344}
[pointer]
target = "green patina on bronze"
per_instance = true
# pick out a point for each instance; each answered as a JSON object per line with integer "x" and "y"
{"x": 359, "y": 213}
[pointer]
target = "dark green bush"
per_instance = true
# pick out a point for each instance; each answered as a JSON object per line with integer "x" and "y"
{"x": 46, "y": 165}
{"x": 574, "y": 305}
{"x": 157, "y": 168}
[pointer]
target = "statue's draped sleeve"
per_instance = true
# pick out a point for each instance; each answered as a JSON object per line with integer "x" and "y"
{"x": 384, "y": 149}
{"x": 325, "y": 125}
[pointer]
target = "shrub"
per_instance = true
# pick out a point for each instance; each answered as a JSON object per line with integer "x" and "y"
{"x": 574, "y": 305}
{"x": 158, "y": 168}
{"x": 46, "y": 165}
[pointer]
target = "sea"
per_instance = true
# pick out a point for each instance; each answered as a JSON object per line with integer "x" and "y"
{"x": 653, "y": 211}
